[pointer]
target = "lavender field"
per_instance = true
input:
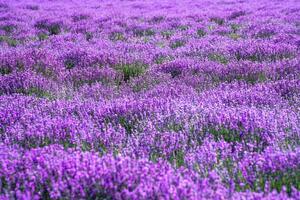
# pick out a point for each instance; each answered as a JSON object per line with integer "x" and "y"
{"x": 153, "y": 99}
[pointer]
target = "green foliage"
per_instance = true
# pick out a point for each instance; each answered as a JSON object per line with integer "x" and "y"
{"x": 251, "y": 78}
{"x": 201, "y": 32}
{"x": 260, "y": 57}
{"x": 217, "y": 20}
{"x": 3, "y": 38}
{"x": 177, "y": 158}
{"x": 97, "y": 194}
{"x": 154, "y": 156}
{"x": 131, "y": 70}
{"x": 2, "y": 129}
{"x": 4, "y": 184}
{"x": 211, "y": 27}
{"x": 240, "y": 182}
{"x": 35, "y": 91}
{"x": 141, "y": 33}
{"x": 161, "y": 44}
{"x": 173, "y": 126}
{"x": 67, "y": 144}
{"x": 85, "y": 146}
{"x": 235, "y": 27}
{"x": 162, "y": 59}
{"x": 290, "y": 141}
{"x": 183, "y": 27}
{"x": 10, "y": 41}
{"x": 54, "y": 29}
{"x": 218, "y": 58}
{"x": 45, "y": 71}
{"x": 276, "y": 180}
{"x": 45, "y": 142}
{"x": 167, "y": 34}
{"x": 256, "y": 77}
{"x": 117, "y": 36}
{"x": 38, "y": 92}
{"x": 143, "y": 84}
{"x": 177, "y": 43}
{"x": 70, "y": 63}
{"x": 5, "y": 70}
{"x": 248, "y": 139}
{"x": 234, "y": 31}
{"x": 80, "y": 82}
{"x": 139, "y": 87}
{"x": 288, "y": 179}
{"x": 234, "y": 36}
{"x": 101, "y": 148}
{"x": 225, "y": 134}
{"x": 43, "y": 36}
{"x": 129, "y": 126}
{"x": 29, "y": 143}
{"x": 8, "y": 28}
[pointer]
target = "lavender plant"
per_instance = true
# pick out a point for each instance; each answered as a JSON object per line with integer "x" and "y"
{"x": 149, "y": 99}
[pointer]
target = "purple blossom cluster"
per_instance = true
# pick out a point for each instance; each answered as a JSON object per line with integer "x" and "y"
{"x": 149, "y": 99}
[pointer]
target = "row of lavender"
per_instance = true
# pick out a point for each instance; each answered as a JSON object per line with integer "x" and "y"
{"x": 149, "y": 99}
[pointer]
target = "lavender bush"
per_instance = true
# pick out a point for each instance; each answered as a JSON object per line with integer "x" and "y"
{"x": 149, "y": 99}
